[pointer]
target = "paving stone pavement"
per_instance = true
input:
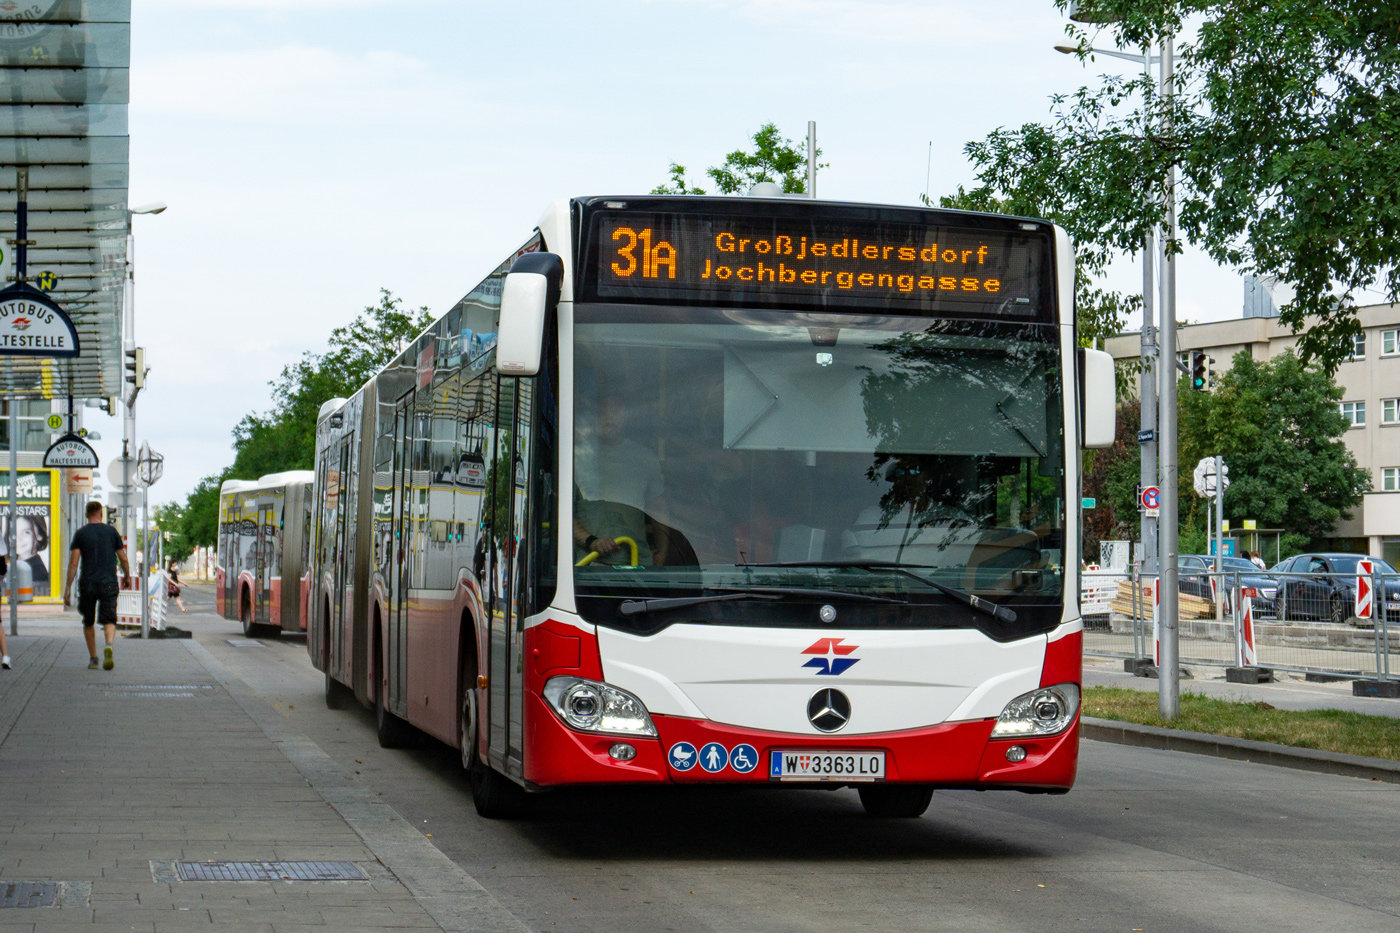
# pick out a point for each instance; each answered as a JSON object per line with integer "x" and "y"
{"x": 104, "y": 773}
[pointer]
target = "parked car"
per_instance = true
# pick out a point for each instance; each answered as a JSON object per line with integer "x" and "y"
{"x": 1193, "y": 575}
{"x": 1323, "y": 586}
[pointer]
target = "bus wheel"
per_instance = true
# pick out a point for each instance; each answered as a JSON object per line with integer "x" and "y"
{"x": 895, "y": 801}
{"x": 496, "y": 796}
{"x": 468, "y": 728}
{"x": 338, "y": 695}
{"x": 245, "y": 615}
{"x": 393, "y": 732}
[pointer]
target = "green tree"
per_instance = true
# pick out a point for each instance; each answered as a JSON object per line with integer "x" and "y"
{"x": 169, "y": 518}
{"x": 781, "y": 161}
{"x": 1111, "y": 476}
{"x": 678, "y": 183}
{"x": 284, "y": 438}
{"x": 1286, "y": 130}
{"x": 1278, "y": 426}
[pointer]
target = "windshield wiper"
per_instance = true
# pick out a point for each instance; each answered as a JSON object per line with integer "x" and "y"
{"x": 635, "y": 607}
{"x": 962, "y": 596}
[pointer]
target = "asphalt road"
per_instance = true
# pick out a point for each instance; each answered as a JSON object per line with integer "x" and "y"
{"x": 1148, "y": 840}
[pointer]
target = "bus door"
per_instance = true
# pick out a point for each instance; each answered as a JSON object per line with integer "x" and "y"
{"x": 343, "y": 545}
{"x": 262, "y": 565}
{"x": 505, "y": 562}
{"x": 396, "y": 633}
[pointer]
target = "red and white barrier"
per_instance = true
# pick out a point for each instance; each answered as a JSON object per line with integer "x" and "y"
{"x": 1247, "y": 655}
{"x": 1364, "y": 595}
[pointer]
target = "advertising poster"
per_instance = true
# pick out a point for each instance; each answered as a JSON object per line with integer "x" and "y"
{"x": 36, "y": 540}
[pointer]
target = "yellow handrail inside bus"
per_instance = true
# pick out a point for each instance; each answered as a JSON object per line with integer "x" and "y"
{"x": 593, "y": 555}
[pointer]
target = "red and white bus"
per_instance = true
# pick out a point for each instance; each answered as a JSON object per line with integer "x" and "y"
{"x": 261, "y": 578}
{"x": 739, "y": 490}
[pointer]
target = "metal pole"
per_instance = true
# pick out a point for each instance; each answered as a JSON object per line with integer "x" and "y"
{"x": 145, "y": 563}
{"x": 1168, "y": 673}
{"x": 811, "y": 158}
{"x": 21, "y": 263}
{"x": 14, "y": 509}
{"x": 129, "y": 419}
{"x": 1147, "y": 473}
{"x": 1220, "y": 532}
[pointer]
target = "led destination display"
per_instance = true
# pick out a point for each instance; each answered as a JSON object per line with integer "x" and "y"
{"x": 690, "y": 257}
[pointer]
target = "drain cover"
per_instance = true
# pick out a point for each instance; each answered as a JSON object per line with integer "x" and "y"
{"x": 29, "y": 894}
{"x": 270, "y": 871}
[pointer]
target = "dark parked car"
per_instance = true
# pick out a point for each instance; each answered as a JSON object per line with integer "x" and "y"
{"x": 1192, "y": 570}
{"x": 1323, "y": 586}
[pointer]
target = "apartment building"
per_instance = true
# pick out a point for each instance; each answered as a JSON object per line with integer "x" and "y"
{"x": 1370, "y": 381}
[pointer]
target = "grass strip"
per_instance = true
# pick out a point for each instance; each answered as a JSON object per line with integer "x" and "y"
{"x": 1330, "y": 730}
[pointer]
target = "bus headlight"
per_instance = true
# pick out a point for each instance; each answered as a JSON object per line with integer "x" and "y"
{"x": 1046, "y": 711}
{"x": 591, "y": 706}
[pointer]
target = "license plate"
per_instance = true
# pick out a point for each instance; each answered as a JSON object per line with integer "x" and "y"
{"x": 822, "y": 765}
{"x": 1392, "y": 606}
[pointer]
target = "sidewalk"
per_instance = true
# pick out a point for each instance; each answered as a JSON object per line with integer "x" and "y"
{"x": 109, "y": 779}
{"x": 1290, "y": 691}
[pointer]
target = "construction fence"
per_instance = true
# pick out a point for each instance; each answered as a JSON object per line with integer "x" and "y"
{"x": 1338, "y": 625}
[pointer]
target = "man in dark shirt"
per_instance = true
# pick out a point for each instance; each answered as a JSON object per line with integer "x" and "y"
{"x": 99, "y": 547}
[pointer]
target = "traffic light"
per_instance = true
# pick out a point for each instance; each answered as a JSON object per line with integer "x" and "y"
{"x": 1198, "y": 371}
{"x": 136, "y": 367}
{"x": 1210, "y": 372}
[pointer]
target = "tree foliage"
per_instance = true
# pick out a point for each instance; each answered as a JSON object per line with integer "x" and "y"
{"x": 1285, "y": 127}
{"x": 781, "y": 161}
{"x": 284, "y": 438}
{"x": 168, "y": 518}
{"x": 1278, "y": 426}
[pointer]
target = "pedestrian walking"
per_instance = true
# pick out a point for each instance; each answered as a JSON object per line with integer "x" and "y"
{"x": 172, "y": 574}
{"x": 4, "y": 571}
{"x": 98, "y": 546}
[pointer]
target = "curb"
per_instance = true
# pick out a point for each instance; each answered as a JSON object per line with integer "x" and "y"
{"x": 1220, "y": 746}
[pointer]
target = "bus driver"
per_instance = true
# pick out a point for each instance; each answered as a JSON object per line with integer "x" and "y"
{"x": 617, "y": 486}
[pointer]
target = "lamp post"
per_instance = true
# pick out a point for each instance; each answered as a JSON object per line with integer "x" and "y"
{"x": 1168, "y": 666}
{"x": 129, "y": 345}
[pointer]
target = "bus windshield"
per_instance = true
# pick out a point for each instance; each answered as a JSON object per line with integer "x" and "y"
{"x": 725, "y": 451}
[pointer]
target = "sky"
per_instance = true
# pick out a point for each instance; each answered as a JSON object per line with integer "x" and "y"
{"x": 313, "y": 152}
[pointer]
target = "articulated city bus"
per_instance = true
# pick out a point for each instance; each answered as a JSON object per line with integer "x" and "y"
{"x": 264, "y": 541}
{"x": 739, "y": 490}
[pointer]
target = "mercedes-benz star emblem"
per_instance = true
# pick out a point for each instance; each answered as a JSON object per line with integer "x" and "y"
{"x": 829, "y": 710}
{"x": 827, "y": 613}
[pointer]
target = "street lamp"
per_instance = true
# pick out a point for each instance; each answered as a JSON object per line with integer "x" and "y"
{"x": 1148, "y": 61}
{"x": 129, "y": 349}
{"x": 1168, "y": 669}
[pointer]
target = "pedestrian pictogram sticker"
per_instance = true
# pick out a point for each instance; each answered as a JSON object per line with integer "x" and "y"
{"x": 713, "y": 757}
{"x": 682, "y": 756}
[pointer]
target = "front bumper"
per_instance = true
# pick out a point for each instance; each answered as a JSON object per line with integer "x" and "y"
{"x": 952, "y": 755}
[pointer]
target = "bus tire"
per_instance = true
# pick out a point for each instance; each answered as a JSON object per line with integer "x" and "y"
{"x": 392, "y": 731}
{"x": 338, "y": 696}
{"x": 251, "y": 629}
{"x": 495, "y": 796}
{"x": 895, "y": 801}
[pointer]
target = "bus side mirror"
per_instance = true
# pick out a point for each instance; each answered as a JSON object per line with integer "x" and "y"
{"x": 531, "y": 291}
{"x": 1098, "y": 395}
